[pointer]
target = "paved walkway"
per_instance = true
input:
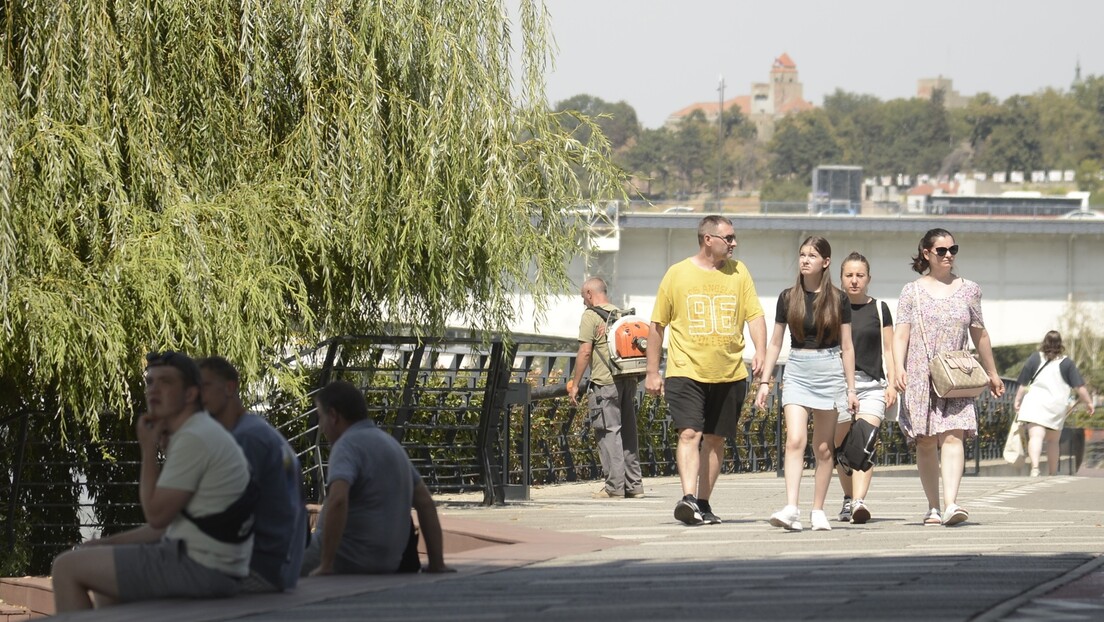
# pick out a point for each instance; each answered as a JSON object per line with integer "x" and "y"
{"x": 1031, "y": 551}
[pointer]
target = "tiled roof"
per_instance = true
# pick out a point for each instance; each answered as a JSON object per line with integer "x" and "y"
{"x": 795, "y": 105}
{"x": 710, "y": 108}
{"x": 784, "y": 62}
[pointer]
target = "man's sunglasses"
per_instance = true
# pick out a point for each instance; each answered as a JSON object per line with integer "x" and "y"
{"x": 943, "y": 250}
{"x": 729, "y": 239}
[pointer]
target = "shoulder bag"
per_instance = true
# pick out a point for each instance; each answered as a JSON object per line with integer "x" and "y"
{"x": 954, "y": 374}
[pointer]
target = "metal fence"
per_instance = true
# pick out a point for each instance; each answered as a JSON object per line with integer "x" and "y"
{"x": 462, "y": 408}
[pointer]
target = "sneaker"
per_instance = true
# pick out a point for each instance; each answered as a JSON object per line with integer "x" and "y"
{"x": 605, "y": 493}
{"x": 955, "y": 515}
{"x": 820, "y": 521}
{"x": 932, "y": 518}
{"x": 859, "y": 512}
{"x": 1035, "y": 472}
{"x": 687, "y": 511}
{"x": 787, "y": 518}
{"x": 634, "y": 494}
{"x": 845, "y": 512}
{"x": 708, "y": 517}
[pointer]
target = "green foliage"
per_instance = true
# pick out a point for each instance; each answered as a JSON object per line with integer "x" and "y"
{"x": 1015, "y": 142}
{"x": 685, "y": 159}
{"x": 1010, "y": 359}
{"x": 784, "y": 190}
{"x": 241, "y": 178}
{"x": 801, "y": 142}
{"x": 1084, "y": 341}
{"x": 617, "y": 121}
{"x": 1046, "y": 130}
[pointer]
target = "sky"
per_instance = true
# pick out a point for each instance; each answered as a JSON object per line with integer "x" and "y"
{"x": 662, "y": 55}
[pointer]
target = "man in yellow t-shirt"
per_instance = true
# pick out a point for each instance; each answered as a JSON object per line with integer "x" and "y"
{"x": 704, "y": 301}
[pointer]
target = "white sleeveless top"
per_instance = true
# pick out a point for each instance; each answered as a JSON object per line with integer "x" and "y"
{"x": 1047, "y": 401}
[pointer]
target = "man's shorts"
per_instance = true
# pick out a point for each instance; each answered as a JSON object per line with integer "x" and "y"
{"x": 709, "y": 407}
{"x": 871, "y": 394}
{"x": 163, "y": 569}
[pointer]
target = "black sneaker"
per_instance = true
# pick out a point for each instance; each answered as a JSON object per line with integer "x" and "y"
{"x": 845, "y": 512}
{"x": 708, "y": 517}
{"x": 687, "y": 511}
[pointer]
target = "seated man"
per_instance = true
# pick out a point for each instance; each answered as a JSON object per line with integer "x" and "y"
{"x": 365, "y": 522}
{"x": 280, "y": 529}
{"x": 201, "y": 487}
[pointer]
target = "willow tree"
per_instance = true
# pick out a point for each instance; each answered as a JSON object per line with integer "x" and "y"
{"x": 247, "y": 176}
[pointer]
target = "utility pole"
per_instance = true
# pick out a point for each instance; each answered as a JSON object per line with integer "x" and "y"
{"x": 720, "y": 139}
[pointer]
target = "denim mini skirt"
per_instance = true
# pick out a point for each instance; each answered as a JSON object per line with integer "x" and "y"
{"x": 814, "y": 379}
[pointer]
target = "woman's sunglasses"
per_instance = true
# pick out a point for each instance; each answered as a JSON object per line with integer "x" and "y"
{"x": 943, "y": 250}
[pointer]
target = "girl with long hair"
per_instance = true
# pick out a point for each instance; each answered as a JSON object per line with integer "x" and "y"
{"x": 819, "y": 374}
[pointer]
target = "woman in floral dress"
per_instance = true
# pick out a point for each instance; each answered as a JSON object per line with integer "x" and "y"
{"x": 936, "y": 313}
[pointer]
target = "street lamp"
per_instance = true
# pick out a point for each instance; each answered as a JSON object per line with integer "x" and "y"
{"x": 720, "y": 138}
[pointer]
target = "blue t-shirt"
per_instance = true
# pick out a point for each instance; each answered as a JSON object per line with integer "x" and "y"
{"x": 280, "y": 528}
{"x": 381, "y": 494}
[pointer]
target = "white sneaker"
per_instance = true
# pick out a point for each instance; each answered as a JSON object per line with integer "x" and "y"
{"x": 955, "y": 515}
{"x": 787, "y": 518}
{"x": 820, "y": 521}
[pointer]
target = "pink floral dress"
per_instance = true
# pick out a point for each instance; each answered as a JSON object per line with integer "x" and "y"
{"x": 947, "y": 323}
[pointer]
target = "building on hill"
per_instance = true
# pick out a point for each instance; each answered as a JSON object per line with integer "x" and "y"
{"x": 768, "y": 102}
{"x": 951, "y": 98}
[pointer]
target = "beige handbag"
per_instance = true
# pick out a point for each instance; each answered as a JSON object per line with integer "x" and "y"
{"x": 954, "y": 374}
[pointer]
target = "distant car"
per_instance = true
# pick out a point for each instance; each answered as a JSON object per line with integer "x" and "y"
{"x": 836, "y": 210}
{"x": 678, "y": 209}
{"x": 1084, "y": 214}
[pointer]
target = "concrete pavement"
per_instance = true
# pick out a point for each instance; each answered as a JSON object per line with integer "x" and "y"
{"x": 1031, "y": 551}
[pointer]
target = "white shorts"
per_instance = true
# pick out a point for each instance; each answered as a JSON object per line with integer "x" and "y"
{"x": 871, "y": 394}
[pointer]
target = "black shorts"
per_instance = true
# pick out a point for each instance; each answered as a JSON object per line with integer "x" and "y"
{"x": 709, "y": 407}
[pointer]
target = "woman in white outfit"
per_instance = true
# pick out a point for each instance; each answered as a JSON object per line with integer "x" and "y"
{"x": 1051, "y": 376}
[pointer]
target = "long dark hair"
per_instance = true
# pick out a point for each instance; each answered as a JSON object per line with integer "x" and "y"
{"x": 919, "y": 262}
{"x": 826, "y": 315}
{"x": 1052, "y": 345}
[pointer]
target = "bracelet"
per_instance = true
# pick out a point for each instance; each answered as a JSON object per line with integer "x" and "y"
{"x": 853, "y": 391}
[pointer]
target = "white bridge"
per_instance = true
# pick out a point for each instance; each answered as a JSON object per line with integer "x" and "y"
{"x": 1033, "y": 272}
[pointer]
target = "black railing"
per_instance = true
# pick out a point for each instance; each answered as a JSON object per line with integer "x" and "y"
{"x": 463, "y": 408}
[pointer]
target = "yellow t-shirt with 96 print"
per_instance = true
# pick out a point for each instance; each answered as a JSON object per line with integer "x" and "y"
{"x": 704, "y": 312}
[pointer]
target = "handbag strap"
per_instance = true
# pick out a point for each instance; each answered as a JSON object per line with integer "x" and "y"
{"x": 881, "y": 336}
{"x": 919, "y": 315}
{"x": 920, "y": 318}
{"x": 1039, "y": 371}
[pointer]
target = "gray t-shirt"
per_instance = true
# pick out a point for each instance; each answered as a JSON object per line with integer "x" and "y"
{"x": 381, "y": 493}
{"x": 280, "y": 528}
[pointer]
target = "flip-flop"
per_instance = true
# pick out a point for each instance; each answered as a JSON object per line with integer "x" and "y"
{"x": 932, "y": 518}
